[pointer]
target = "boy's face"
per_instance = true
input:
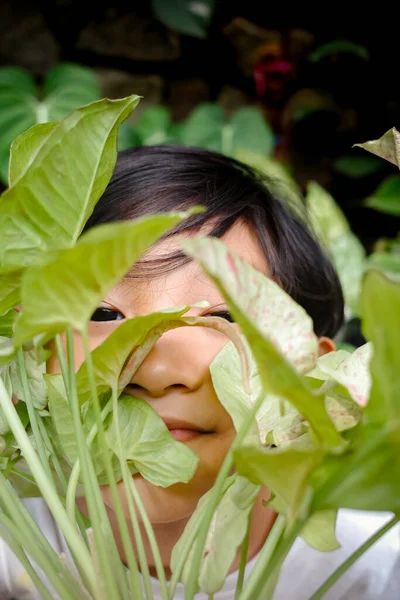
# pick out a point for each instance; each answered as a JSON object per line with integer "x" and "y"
{"x": 175, "y": 377}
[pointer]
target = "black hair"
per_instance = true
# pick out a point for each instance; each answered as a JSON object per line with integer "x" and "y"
{"x": 151, "y": 179}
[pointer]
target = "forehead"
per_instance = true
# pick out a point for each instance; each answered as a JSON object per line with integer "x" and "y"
{"x": 187, "y": 284}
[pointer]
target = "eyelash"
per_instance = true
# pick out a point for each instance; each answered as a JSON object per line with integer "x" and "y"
{"x": 104, "y": 313}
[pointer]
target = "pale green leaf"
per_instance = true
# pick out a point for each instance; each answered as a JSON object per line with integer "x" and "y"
{"x": 35, "y": 373}
{"x": 278, "y": 331}
{"x": 148, "y": 444}
{"x": 327, "y": 219}
{"x": 50, "y": 202}
{"x": 66, "y": 291}
{"x": 320, "y": 531}
{"x": 227, "y": 530}
{"x": 387, "y": 146}
{"x": 386, "y": 198}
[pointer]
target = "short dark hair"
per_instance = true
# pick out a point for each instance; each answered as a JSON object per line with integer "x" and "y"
{"x": 152, "y": 179}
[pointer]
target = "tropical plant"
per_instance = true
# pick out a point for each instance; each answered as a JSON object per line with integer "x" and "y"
{"x": 321, "y": 434}
{"x": 23, "y": 104}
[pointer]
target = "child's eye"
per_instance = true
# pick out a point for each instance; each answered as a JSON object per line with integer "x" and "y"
{"x": 104, "y": 313}
{"x": 223, "y": 314}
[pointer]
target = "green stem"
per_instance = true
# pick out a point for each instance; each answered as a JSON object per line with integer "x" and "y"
{"x": 66, "y": 588}
{"x": 23, "y": 559}
{"x": 262, "y": 566}
{"x": 62, "y": 361}
{"x": 152, "y": 540}
{"x": 136, "y": 589}
{"x": 49, "y": 493}
{"x": 76, "y": 469}
{"x": 33, "y": 417}
{"x": 112, "y": 578}
{"x": 215, "y": 498}
{"x": 243, "y": 559}
{"x": 322, "y": 590}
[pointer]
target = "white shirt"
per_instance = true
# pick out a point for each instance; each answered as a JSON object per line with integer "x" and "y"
{"x": 375, "y": 576}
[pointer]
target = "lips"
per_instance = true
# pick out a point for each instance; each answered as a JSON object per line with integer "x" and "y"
{"x": 184, "y": 431}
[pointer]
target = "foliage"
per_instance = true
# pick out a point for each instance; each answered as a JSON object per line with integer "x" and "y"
{"x": 322, "y": 433}
{"x": 22, "y": 104}
{"x": 185, "y": 16}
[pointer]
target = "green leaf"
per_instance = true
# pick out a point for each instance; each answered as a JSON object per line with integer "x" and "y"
{"x": 148, "y": 444}
{"x": 53, "y": 197}
{"x": 389, "y": 264}
{"x": 26, "y": 147}
{"x": 206, "y": 127}
{"x": 15, "y": 78}
{"x": 278, "y": 331}
{"x": 187, "y": 18}
{"x": 320, "y": 531}
{"x": 285, "y": 472}
{"x": 35, "y": 372}
{"x": 339, "y": 47}
{"x": 66, "y": 87}
{"x": 368, "y": 478}
{"x": 252, "y": 132}
{"x": 226, "y": 533}
{"x": 128, "y": 137}
{"x": 346, "y": 251}
{"x": 65, "y": 292}
{"x": 60, "y": 412}
{"x": 7, "y": 322}
{"x": 380, "y": 310}
{"x": 110, "y": 357}
{"x": 387, "y": 146}
{"x": 357, "y": 166}
{"x": 386, "y": 198}
{"x": 153, "y": 125}
{"x": 203, "y": 127}
{"x": 10, "y": 291}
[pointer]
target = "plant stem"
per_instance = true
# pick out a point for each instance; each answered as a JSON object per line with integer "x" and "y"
{"x": 130, "y": 491}
{"x": 62, "y": 361}
{"x": 109, "y": 563}
{"x": 261, "y": 567}
{"x": 322, "y": 590}
{"x": 215, "y": 498}
{"x": 46, "y": 487}
{"x": 243, "y": 559}
{"x": 23, "y": 559}
{"x": 33, "y": 417}
{"x": 136, "y": 588}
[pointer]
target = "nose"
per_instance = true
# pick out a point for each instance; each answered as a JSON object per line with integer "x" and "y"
{"x": 180, "y": 360}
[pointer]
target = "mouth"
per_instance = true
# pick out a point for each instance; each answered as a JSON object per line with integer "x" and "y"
{"x": 184, "y": 431}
